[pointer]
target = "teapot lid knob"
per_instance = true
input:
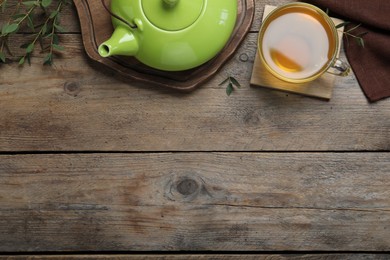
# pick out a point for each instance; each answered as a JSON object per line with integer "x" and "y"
{"x": 171, "y": 2}
{"x": 173, "y": 15}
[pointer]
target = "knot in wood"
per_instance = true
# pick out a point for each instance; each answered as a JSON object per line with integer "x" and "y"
{"x": 244, "y": 57}
{"x": 187, "y": 187}
{"x": 72, "y": 88}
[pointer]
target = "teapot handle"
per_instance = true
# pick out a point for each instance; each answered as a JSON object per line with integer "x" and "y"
{"x": 133, "y": 26}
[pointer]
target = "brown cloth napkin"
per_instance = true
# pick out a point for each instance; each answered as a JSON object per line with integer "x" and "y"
{"x": 371, "y": 63}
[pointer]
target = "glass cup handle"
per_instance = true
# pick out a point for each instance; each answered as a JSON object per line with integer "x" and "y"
{"x": 339, "y": 68}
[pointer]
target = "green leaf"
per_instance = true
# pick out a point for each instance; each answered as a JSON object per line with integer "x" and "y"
{"x": 53, "y": 14}
{"x": 340, "y": 25}
{"x": 28, "y": 59}
{"x": 2, "y": 57}
{"x": 58, "y": 47}
{"x": 10, "y": 28}
{"x": 59, "y": 28}
{"x": 44, "y": 29}
{"x": 3, "y": 6}
{"x": 361, "y": 34}
{"x": 22, "y": 60}
{"x": 360, "y": 42}
{"x": 229, "y": 89}
{"x": 30, "y": 48}
{"x": 48, "y": 60}
{"x": 7, "y": 48}
{"x": 30, "y": 4}
{"x": 223, "y": 82}
{"x": 46, "y": 3}
{"x": 354, "y": 28}
{"x": 18, "y": 16}
{"x": 56, "y": 40}
{"x": 235, "y": 82}
{"x": 30, "y": 23}
{"x": 48, "y": 35}
{"x": 3, "y": 29}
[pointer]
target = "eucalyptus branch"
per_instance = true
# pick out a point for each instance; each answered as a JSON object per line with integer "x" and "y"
{"x": 25, "y": 12}
{"x": 231, "y": 82}
{"x": 25, "y": 16}
{"x": 3, "y": 3}
{"x": 31, "y": 45}
{"x": 4, "y": 38}
{"x": 48, "y": 60}
{"x": 359, "y": 37}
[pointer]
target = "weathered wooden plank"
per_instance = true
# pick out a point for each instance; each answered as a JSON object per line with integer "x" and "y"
{"x": 73, "y": 106}
{"x": 195, "y": 201}
{"x": 322, "y": 256}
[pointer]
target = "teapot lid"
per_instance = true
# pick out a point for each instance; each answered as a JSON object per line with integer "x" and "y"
{"x": 172, "y": 15}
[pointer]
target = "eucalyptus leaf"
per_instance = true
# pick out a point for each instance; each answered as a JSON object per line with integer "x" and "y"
{"x": 48, "y": 60}
{"x": 22, "y": 60}
{"x": 49, "y": 35}
{"x": 2, "y": 57}
{"x": 44, "y": 29}
{"x": 59, "y": 28}
{"x": 360, "y": 42}
{"x": 56, "y": 39}
{"x": 30, "y": 48}
{"x": 28, "y": 57}
{"x": 30, "y": 23}
{"x": 229, "y": 89}
{"x": 235, "y": 82}
{"x": 223, "y": 82}
{"x": 340, "y": 25}
{"x": 30, "y": 4}
{"x": 354, "y": 28}
{"x": 18, "y": 16}
{"x": 53, "y": 14}
{"x": 8, "y": 48}
{"x": 362, "y": 34}
{"x": 3, "y": 6}
{"x": 46, "y": 3}
{"x": 13, "y": 27}
{"x": 43, "y": 49}
{"x": 3, "y": 33}
{"x": 58, "y": 47}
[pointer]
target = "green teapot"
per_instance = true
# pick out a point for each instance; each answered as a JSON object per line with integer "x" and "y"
{"x": 170, "y": 35}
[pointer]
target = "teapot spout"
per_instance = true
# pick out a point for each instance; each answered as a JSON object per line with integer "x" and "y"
{"x": 122, "y": 42}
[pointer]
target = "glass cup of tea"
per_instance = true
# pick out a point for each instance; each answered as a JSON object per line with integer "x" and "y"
{"x": 298, "y": 42}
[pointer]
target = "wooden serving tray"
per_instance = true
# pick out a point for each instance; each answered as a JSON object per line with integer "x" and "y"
{"x": 96, "y": 27}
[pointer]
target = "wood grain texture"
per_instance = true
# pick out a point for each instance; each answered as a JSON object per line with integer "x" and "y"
{"x": 198, "y": 182}
{"x": 195, "y": 201}
{"x": 72, "y": 106}
{"x": 344, "y": 256}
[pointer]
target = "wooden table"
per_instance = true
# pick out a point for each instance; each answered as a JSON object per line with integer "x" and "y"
{"x": 94, "y": 165}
